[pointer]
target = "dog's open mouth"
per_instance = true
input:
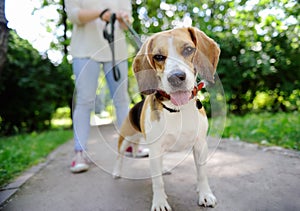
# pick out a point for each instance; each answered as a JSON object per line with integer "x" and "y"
{"x": 180, "y": 98}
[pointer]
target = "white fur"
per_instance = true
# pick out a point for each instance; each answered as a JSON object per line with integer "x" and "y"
{"x": 174, "y": 132}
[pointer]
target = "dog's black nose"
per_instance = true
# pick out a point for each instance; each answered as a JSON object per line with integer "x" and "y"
{"x": 176, "y": 77}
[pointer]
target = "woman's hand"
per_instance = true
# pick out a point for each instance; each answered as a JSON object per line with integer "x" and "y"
{"x": 106, "y": 16}
{"x": 123, "y": 17}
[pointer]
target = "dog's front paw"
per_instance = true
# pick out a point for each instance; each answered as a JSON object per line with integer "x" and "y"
{"x": 207, "y": 200}
{"x": 161, "y": 206}
{"x": 160, "y": 203}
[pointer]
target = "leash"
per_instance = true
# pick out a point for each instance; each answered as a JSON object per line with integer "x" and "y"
{"x": 110, "y": 37}
{"x": 135, "y": 35}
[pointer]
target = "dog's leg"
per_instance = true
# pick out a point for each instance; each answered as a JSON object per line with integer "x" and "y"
{"x": 119, "y": 162}
{"x": 135, "y": 148}
{"x": 206, "y": 197}
{"x": 159, "y": 201}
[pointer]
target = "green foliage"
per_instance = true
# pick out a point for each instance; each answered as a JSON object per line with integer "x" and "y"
{"x": 259, "y": 41}
{"x": 17, "y": 153}
{"x": 31, "y": 88}
{"x": 280, "y": 129}
{"x": 259, "y": 44}
{"x": 258, "y": 67}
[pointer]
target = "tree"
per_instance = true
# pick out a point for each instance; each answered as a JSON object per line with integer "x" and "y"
{"x": 32, "y": 88}
{"x": 3, "y": 35}
{"x": 60, "y": 40}
{"x": 259, "y": 41}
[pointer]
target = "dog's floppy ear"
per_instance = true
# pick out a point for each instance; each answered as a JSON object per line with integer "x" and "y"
{"x": 144, "y": 69}
{"x": 207, "y": 54}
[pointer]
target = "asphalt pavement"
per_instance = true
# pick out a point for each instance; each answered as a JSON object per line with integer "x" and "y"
{"x": 242, "y": 176}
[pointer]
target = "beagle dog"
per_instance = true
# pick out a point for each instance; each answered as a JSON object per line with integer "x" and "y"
{"x": 171, "y": 118}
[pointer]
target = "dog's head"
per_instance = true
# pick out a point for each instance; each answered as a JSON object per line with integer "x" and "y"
{"x": 170, "y": 61}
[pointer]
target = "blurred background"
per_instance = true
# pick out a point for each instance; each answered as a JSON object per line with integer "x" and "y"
{"x": 259, "y": 64}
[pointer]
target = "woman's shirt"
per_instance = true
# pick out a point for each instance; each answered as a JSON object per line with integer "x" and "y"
{"x": 87, "y": 39}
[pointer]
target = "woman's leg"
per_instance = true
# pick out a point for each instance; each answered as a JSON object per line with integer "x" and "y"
{"x": 118, "y": 89}
{"x": 86, "y": 72}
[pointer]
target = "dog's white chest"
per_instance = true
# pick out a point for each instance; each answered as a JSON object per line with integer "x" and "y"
{"x": 179, "y": 130}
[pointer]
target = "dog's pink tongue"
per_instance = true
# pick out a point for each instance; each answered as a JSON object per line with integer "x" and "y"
{"x": 180, "y": 98}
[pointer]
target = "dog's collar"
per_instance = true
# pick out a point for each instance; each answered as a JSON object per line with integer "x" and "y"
{"x": 162, "y": 95}
{"x": 171, "y": 110}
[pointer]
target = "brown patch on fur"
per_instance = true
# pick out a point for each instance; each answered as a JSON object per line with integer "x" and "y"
{"x": 144, "y": 70}
{"x": 127, "y": 129}
{"x": 120, "y": 142}
{"x": 202, "y": 111}
{"x": 207, "y": 55}
{"x": 156, "y": 108}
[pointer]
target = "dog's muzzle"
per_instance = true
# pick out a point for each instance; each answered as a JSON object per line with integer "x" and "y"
{"x": 176, "y": 78}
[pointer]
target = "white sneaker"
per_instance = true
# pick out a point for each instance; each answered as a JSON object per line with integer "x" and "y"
{"x": 79, "y": 163}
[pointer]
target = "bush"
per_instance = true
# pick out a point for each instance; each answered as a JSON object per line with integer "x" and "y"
{"x": 31, "y": 88}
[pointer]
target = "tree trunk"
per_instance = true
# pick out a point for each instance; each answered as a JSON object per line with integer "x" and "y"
{"x": 64, "y": 22}
{"x": 3, "y": 35}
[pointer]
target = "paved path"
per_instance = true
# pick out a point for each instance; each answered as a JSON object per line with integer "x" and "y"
{"x": 242, "y": 176}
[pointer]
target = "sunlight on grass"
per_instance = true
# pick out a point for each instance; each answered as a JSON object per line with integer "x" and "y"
{"x": 62, "y": 118}
{"x": 280, "y": 129}
{"x": 66, "y": 122}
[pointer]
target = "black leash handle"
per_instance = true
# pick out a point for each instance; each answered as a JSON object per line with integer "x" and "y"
{"x": 110, "y": 37}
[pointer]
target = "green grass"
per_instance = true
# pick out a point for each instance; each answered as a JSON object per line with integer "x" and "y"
{"x": 280, "y": 129}
{"x": 17, "y": 153}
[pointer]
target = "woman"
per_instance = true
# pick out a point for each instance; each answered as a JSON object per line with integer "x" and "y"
{"x": 89, "y": 50}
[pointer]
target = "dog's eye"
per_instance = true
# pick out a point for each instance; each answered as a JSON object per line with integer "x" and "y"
{"x": 159, "y": 58}
{"x": 188, "y": 51}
